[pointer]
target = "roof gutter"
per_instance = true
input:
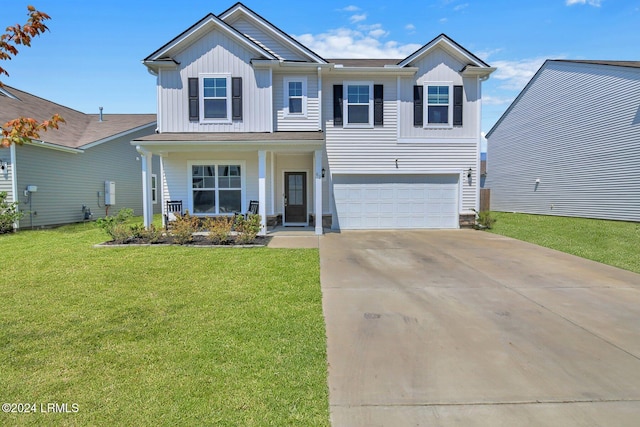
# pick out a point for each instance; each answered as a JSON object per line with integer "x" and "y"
{"x": 56, "y": 147}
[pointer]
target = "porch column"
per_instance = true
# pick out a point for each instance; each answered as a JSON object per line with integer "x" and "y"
{"x": 262, "y": 190}
{"x": 147, "y": 202}
{"x": 317, "y": 190}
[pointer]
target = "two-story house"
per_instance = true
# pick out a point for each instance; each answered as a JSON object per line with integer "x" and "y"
{"x": 246, "y": 112}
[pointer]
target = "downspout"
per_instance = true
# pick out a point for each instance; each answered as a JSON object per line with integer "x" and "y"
{"x": 479, "y": 81}
{"x": 320, "y": 109}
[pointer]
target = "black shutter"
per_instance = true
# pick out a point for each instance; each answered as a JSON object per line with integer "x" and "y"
{"x": 193, "y": 99}
{"x": 236, "y": 98}
{"x": 418, "y": 112}
{"x": 378, "y": 105}
{"x": 457, "y": 105}
{"x": 337, "y": 105}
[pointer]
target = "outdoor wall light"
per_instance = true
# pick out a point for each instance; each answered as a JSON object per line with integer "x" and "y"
{"x": 323, "y": 172}
{"x": 3, "y": 165}
{"x": 469, "y": 173}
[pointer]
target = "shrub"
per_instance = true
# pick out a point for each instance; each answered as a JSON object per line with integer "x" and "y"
{"x": 219, "y": 229}
{"x": 152, "y": 234}
{"x": 115, "y": 225}
{"x": 9, "y": 214}
{"x": 120, "y": 233}
{"x": 183, "y": 228}
{"x": 484, "y": 220}
{"x": 247, "y": 228}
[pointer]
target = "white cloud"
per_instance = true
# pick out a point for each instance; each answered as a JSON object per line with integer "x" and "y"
{"x": 459, "y": 7}
{"x": 496, "y": 100}
{"x": 443, "y": 20}
{"x": 595, "y": 3}
{"x": 350, "y": 8}
{"x": 374, "y": 30}
{"x": 358, "y": 18}
{"x": 485, "y": 54}
{"x": 348, "y": 43}
{"x": 516, "y": 74}
{"x": 410, "y": 27}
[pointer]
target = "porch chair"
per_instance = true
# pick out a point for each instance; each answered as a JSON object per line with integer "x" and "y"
{"x": 173, "y": 207}
{"x": 253, "y": 209}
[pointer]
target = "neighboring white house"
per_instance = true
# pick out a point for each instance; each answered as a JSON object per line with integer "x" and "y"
{"x": 245, "y": 112}
{"x": 61, "y": 178}
{"x": 569, "y": 144}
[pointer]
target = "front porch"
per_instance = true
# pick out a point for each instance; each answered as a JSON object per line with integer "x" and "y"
{"x": 215, "y": 176}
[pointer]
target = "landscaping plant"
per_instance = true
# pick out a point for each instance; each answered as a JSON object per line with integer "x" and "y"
{"x": 9, "y": 213}
{"x": 247, "y": 228}
{"x": 219, "y": 229}
{"x": 183, "y": 228}
{"x": 115, "y": 225}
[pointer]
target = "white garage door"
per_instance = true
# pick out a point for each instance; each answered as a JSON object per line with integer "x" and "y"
{"x": 365, "y": 202}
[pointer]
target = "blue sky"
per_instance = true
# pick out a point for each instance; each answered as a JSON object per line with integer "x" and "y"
{"x": 92, "y": 55}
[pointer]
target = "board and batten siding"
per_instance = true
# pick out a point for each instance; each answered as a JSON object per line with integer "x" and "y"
{"x": 215, "y": 53}
{"x": 266, "y": 40}
{"x": 576, "y": 129}
{"x": 6, "y": 175}
{"x": 67, "y": 181}
{"x": 376, "y": 150}
{"x": 439, "y": 66}
{"x": 311, "y": 120}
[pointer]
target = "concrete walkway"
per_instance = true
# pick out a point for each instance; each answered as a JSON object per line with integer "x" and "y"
{"x": 466, "y": 328}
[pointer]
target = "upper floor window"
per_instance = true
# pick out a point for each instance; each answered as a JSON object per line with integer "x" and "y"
{"x": 358, "y": 105}
{"x": 295, "y": 96}
{"x": 215, "y": 102}
{"x": 439, "y": 104}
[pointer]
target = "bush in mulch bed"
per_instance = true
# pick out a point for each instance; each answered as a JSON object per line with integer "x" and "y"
{"x": 186, "y": 230}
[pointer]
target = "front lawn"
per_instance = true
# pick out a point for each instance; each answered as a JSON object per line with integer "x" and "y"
{"x": 160, "y": 335}
{"x": 610, "y": 242}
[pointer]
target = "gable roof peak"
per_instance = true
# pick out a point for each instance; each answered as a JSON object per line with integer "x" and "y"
{"x": 444, "y": 40}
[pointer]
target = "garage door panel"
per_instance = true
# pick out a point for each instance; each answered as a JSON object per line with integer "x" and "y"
{"x": 396, "y": 201}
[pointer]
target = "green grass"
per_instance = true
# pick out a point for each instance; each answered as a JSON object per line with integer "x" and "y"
{"x": 610, "y": 242}
{"x": 160, "y": 335}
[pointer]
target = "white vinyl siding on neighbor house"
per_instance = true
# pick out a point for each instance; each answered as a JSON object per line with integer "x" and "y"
{"x": 215, "y": 53}
{"x": 6, "y": 175}
{"x": 576, "y": 129}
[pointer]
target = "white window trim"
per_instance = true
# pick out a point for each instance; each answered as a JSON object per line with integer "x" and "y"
{"x": 216, "y": 163}
{"x": 345, "y": 104}
{"x": 286, "y": 82}
{"x": 201, "y": 77}
{"x": 425, "y": 118}
{"x": 154, "y": 188}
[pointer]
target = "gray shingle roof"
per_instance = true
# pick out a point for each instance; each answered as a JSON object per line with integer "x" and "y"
{"x": 633, "y": 64}
{"x": 80, "y": 128}
{"x": 364, "y": 62}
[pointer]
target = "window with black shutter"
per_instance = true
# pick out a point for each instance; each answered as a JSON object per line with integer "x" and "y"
{"x": 457, "y": 105}
{"x": 418, "y": 111}
{"x": 337, "y": 105}
{"x": 193, "y": 99}
{"x": 378, "y": 105}
{"x": 236, "y": 98}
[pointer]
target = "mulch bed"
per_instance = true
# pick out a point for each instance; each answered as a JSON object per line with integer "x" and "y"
{"x": 198, "y": 240}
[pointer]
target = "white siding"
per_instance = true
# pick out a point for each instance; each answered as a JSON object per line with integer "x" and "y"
{"x": 6, "y": 175}
{"x": 266, "y": 39}
{"x": 376, "y": 150}
{"x": 215, "y": 53}
{"x": 308, "y": 123}
{"x": 439, "y": 66}
{"x": 576, "y": 128}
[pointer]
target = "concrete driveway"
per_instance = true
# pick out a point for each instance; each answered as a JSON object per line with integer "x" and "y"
{"x": 466, "y": 328}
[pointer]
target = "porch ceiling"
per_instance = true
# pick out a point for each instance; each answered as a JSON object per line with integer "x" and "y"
{"x": 234, "y": 141}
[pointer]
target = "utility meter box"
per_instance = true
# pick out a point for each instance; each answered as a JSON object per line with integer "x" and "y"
{"x": 109, "y": 193}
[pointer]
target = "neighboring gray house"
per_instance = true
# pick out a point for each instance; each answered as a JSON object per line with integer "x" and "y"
{"x": 246, "y": 112}
{"x": 69, "y": 167}
{"x": 569, "y": 145}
